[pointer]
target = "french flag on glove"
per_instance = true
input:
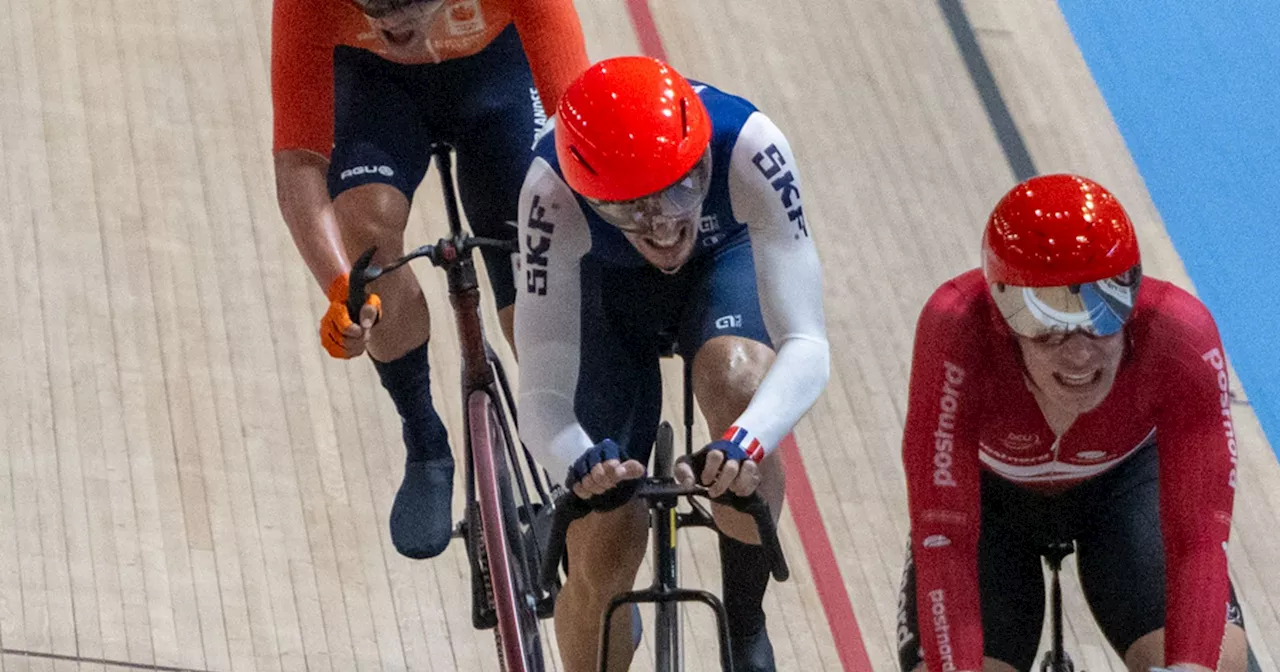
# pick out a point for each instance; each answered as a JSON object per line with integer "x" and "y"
{"x": 744, "y": 440}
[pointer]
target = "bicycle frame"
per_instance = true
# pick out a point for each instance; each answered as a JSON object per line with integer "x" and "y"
{"x": 489, "y": 443}
{"x": 1056, "y": 658}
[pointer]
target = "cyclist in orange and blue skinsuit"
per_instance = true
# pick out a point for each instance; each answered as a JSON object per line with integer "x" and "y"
{"x": 361, "y": 89}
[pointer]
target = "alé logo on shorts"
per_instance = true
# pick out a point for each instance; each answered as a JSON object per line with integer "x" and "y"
{"x": 771, "y": 164}
{"x": 357, "y": 171}
{"x": 1214, "y": 357}
{"x": 464, "y": 17}
{"x": 538, "y": 242}
{"x": 943, "y": 437}
{"x": 729, "y": 322}
{"x": 942, "y": 629}
{"x": 708, "y": 228}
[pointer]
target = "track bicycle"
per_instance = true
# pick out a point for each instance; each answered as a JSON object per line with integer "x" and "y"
{"x": 662, "y": 495}
{"x": 504, "y": 516}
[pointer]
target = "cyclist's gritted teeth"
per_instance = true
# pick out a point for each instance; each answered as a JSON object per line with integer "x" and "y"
{"x": 669, "y": 239}
{"x": 1078, "y": 381}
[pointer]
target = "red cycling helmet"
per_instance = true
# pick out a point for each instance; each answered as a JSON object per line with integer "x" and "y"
{"x": 629, "y": 127}
{"x": 1060, "y": 255}
{"x": 1057, "y": 230}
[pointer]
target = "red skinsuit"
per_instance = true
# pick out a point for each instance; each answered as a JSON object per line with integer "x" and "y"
{"x": 971, "y": 409}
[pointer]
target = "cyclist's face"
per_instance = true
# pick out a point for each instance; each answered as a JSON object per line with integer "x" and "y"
{"x": 1073, "y": 372}
{"x": 404, "y": 30}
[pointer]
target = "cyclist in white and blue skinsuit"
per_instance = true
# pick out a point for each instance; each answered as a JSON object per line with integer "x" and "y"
{"x": 659, "y": 213}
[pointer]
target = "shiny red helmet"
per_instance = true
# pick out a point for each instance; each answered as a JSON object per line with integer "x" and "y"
{"x": 1060, "y": 254}
{"x": 629, "y": 127}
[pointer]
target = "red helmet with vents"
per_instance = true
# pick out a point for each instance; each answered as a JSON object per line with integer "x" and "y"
{"x": 629, "y": 127}
{"x": 1060, "y": 254}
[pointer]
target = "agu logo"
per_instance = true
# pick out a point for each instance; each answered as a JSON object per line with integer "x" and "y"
{"x": 357, "y": 171}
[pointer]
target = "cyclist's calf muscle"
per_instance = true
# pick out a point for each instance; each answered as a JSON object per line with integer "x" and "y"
{"x": 375, "y": 215}
{"x": 605, "y": 551}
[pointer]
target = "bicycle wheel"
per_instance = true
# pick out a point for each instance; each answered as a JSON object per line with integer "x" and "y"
{"x": 518, "y": 639}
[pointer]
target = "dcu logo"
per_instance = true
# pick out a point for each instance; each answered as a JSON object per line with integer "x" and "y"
{"x": 771, "y": 165}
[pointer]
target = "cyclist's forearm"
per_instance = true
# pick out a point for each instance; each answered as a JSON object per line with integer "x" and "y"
{"x": 303, "y": 196}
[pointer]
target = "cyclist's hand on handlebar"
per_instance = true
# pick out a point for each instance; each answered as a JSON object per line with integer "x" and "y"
{"x": 726, "y": 468}
{"x": 341, "y": 337}
{"x": 601, "y": 479}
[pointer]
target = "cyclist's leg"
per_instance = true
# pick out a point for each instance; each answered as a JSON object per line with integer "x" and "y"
{"x": 494, "y": 151}
{"x": 379, "y": 158}
{"x": 619, "y": 396}
{"x": 1010, "y": 582}
{"x": 605, "y": 551}
{"x": 723, "y": 331}
{"x": 1122, "y": 566}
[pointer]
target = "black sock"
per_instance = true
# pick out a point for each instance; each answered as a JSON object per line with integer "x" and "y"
{"x": 408, "y": 380}
{"x": 744, "y": 571}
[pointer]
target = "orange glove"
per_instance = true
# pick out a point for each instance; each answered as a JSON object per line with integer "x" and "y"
{"x": 341, "y": 337}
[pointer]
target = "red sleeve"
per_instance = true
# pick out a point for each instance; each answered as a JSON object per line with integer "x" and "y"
{"x": 303, "y": 34}
{"x": 940, "y": 456}
{"x": 1197, "y": 482}
{"x": 553, "y": 43}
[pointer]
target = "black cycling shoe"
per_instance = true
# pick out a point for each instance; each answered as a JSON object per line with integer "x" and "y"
{"x": 422, "y": 515}
{"x": 753, "y": 653}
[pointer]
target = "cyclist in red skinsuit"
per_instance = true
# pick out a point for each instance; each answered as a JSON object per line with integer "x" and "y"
{"x": 1040, "y": 388}
{"x": 361, "y": 90}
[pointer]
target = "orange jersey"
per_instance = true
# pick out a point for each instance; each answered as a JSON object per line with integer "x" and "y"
{"x": 305, "y": 32}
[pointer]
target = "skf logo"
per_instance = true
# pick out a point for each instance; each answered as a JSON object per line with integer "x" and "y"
{"x": 771, "y": 164}
{"x": 729, "y": 322}
{"x": 384, "y": 171}
{"x": 538, "y": 242}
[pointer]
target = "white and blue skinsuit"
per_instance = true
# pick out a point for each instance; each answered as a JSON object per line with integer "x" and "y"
{"x": 593, "y": 316}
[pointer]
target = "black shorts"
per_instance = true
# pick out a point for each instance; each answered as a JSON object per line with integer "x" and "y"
{"x": 387, "y": 115}
{"x": 632, "y": 316}
{"x": 1115, "y": 522}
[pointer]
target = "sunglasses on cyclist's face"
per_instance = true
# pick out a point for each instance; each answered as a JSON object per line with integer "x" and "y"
{"x": 678, "y": 202}
{"x": 1049, "y": 315}
{"x": 376, "y": 9}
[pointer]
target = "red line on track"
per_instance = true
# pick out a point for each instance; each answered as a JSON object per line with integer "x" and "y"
{"x": 804, "y": 505}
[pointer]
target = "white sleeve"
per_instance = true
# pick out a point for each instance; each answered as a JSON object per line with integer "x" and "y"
{"x": 553, "y": 240}
{"x": 764, "y": 189}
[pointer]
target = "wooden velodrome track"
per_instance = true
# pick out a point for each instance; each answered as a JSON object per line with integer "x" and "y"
{"x": 188, "y": 482}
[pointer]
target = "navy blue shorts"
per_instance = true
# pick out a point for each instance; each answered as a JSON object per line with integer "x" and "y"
{"x": 387, "y": 116}
{"x": 1114, "y": 519}
{"x": 631, "y": 317}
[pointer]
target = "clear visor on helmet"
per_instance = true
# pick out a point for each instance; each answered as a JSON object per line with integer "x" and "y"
{"x": 1094, "y": 308}
{"x": 676, "y": 202}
